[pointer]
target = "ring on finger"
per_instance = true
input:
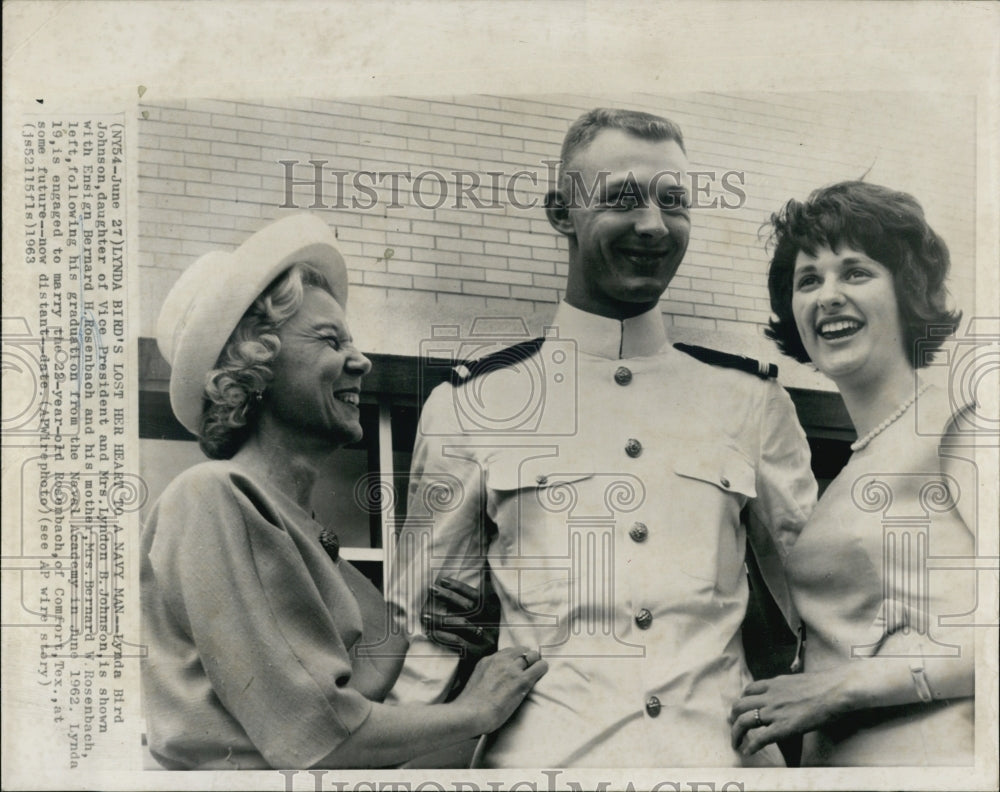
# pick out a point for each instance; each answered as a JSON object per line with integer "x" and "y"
{"x": 527, "y": 662}
{"x": 756, "y": 715}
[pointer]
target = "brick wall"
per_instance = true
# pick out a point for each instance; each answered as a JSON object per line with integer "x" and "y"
{"x": 211, "y": 174}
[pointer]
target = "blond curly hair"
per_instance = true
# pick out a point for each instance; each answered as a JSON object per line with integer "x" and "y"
{"x": 235, "y": 387}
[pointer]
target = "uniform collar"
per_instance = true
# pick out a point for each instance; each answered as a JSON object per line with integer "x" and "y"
{"x": 639, "y": 336}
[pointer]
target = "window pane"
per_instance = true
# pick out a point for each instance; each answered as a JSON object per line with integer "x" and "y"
{"x": 404, "y": 429}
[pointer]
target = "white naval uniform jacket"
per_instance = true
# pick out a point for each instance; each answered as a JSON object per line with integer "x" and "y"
{"x": 602, "y": 484}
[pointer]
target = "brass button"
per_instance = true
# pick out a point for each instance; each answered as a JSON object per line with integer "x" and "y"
{"x": 638, "y": 532}
{"x": 633, "y": 447}
{"x": 623, "y": 376}
{"x": 724, "y": 482}
{"x": 643, "y": 619}
{"x": 541, "y": 479}
{"x": 652, "y": 706}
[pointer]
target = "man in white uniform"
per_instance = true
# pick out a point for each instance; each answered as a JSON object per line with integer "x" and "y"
{"x": 599, "y": 475}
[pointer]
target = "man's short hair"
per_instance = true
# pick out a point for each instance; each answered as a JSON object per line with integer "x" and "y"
{"x": 643, "y": 125}
{"x": 886, "y": 225}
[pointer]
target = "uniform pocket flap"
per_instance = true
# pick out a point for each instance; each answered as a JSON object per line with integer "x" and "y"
{"x": 725, "y": 468}
{"x": 513, "y": 471}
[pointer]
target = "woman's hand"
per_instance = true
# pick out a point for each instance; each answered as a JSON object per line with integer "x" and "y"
{"x": 396, "y": 733}
{"x": 500, "y": 682}
{"x": 460, "y": 618}
{"x": 773, "y": 709}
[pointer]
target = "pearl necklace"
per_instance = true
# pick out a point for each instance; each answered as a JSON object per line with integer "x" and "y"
{"x": 857, "y": 445}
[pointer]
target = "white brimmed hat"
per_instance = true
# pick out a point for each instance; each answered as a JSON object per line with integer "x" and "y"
{"x": 210, "y": 297}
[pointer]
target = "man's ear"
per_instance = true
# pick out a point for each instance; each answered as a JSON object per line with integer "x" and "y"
{"x": 558, "y": 212}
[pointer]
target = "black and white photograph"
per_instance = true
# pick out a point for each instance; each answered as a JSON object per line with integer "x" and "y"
{"x": 465, "y": 397}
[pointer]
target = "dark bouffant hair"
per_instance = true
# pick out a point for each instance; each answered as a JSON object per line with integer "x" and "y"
{"x": 887, "y": 226}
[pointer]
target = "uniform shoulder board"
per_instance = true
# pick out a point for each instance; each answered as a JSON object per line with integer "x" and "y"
{"x": 728, "y": 360}
{"x": 502, "y": 358}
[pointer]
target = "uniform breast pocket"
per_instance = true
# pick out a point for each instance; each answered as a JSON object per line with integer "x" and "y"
{"x": 535, "y": 503}
{"x": 709, "y": 487}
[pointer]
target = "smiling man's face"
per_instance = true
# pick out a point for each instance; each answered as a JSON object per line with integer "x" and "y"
{"x": 627, "y": 241}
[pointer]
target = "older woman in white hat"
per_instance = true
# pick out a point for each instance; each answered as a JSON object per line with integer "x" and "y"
{"x": 252, "y": 626}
